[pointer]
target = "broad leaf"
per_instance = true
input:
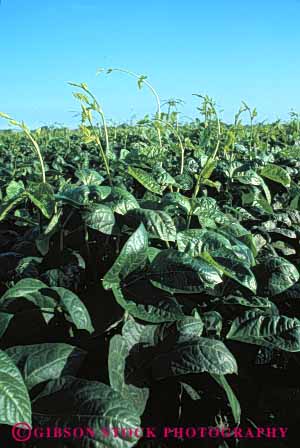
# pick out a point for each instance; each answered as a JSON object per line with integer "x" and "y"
{"x": 121, "y": 201}
{"x": 276, "y": 174}
{"x": 100, "y": 217}
{"x": 278, "y": 274}
{"x": 233, "y": 268}
{"x": 118, "y": 352}
{"x": 132, "y": 257}
{"x": 71, "y": 402}
{"x": 278, "y": 332}
{"x": 43, "y": 362}
{"x": 14, "y": 399}
{"x": 42, "y": 196}
{"x": 158, "y": 223}
{"x": 24, "y": 287}
{"x": 146, "y": 179}
{"x": 75, "y": 308}
{"x": 178, "y": 272}
{"x": 196, "y": 355}
{"x": 153, "y": 311}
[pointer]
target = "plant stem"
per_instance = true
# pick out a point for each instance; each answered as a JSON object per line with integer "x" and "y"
{"x": 147, "y": 83}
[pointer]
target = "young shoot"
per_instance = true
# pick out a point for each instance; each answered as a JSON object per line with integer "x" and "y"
{"x": 141, "y": 80}
{"x": 252, "y": 115}
{"x": 21, "y": 125}
{"x": 90, "y": 104}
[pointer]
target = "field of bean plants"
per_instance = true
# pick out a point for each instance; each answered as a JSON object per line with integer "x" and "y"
{"x": 149, "y": 276}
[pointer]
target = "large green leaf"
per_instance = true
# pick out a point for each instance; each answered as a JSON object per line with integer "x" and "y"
{"x": 278, "y": 275}
{"x": 121, "y": 201}
{"x": 35, "y": 300}
{"x": 75, "y": 196}
{"x": 154, "y": 311}
{"x": 7, "y": 206}
{"x": 250, "y": 177}
{"x": 279, "y": 332}
{"x": 276, "y": 174}
{"x": 232, "y": 268}
{"x": 146, "y": 179}
{"x": 89, "y": 177}
{"x": 242, "y": 242}
{"x": 74, "y": 307}
{"x": 178, "y": 272}
{"x": 43, "y": 362}
{"x": 196, "y": 241}
{"x": 15, "y": 404}
{"x": 118, "y": 352}
{"x": 195, "y": 355}
{"x": 158, "y": 223}
{"x": 71, "y": 402}
{"x": 24, "y": 287}
{"x": 253, "y": 302}
{"x": 14, "y": 188}
{"x": 100, "y": 217}
{"x": 42, "y": 196}
{"x": 208, "y": 169}
{"x": 178, "y": 200}
{"x": 132, "y": 257}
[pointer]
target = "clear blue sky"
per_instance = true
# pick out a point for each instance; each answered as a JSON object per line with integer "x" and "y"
{"x": 232, "y": 50}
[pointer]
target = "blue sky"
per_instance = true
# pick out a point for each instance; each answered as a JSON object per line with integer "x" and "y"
{"x": 231, "y": 50}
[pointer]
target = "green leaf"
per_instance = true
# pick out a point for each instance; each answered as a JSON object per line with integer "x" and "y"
{"x": 5, "y": 319}
{"x": 146, "y": 179}
{"x": 196, "y": 241}
{"x": 254, "y": 302}
{"x": 24, "y": 287}
{"x": 14, "y": 188}
{"x": 276, "y": 174}
{"x": 178, "y": 200}
{"x": 191, "y": 392}
{"x": 71, "y": 402}
{"x": 7, "y": 206}
{"x": 250, "y": 177}
{"x": 213, "y": 323}
{"x": 43, "y": 362}
{"x": 208, "y": 211}
{"x": 184, "y": 182}
{"x": 178, "y": 272}
{"x": 131, "y": 258}
{"x": 208, "y": 169}
{"x": 29, "y": 301}
{"x": 42, "y": 196}
{"x": 15, "y": 404}
{"x": 158, "y": 223}
{"x": 99, "y": 217}
{"x": 278, "y": 275}
{"x": 233, "y": 401}
{"x": 195, "y": 355}
{"x": 209, "y": 183}
{"x": 271, "y": 331}
{"x": 89, "y": 177}
{"x": 189, "y": 327}
{"x": 118, "y": 352}
{"x": 121, "y": 201}
{"x": 233, "y": 268}
{"x": 76, "y": 196}
{"x": 74, "y": 307}
{"x": 154, "y": 311}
